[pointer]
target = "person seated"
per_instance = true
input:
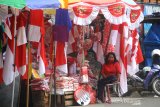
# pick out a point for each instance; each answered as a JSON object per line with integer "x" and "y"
{"x": 154, "y": 68}
{"x": 111, "y": 73}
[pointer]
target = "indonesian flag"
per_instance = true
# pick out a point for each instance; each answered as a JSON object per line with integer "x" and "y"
{"x": 8, "y": 71}
{"x": 21, "y": 45}
{"x": 61, "y": 57}
{"x": 42, "y": 57}
{"x": 135, "y": 54}
{"x": 36, "y": 28}
{"x": 1, "y": 63}
{"x": 118, "y": 38}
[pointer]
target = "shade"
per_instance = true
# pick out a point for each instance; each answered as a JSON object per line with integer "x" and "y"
{"x": 14, "y": 3}
{"x": 32, "y": 4}
{"x": 42, "y": 4}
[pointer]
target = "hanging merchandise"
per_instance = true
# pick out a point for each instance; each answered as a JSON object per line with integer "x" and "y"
{"x": 84, "y": 74}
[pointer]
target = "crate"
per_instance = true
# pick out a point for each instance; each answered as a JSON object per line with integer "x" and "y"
{"x": 40, "y": 98}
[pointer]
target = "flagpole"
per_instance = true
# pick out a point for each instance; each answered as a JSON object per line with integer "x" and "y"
{"x": 55, "y": 100}
{"x": 51, "y": 76}
{"x": 28, "y": 74}
{"x": 14, "y": 65}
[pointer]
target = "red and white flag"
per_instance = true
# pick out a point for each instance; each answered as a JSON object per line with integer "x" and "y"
{"x": 135, "y": 55}
{"x": 118, "y": 39}
{"x": 21, "y": 44}
{"x": 8, "y": 71}
{"x": 61, "y": 57}
{"x": 42, "y": 57}
{"x": 36, "y": 28}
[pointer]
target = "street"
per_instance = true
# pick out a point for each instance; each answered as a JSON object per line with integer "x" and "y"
{"x": 135, "y": 100}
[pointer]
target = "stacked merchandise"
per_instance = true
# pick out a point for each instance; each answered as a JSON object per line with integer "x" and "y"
{"x": 40, "y": 91}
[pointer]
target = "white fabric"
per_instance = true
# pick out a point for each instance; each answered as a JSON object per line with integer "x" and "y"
{"x": 34, "y": 33}
{"x": 22, "y": 69}
{"x": 41, "y": 70}
{"x": 21, "y": 36}
{"x": 8, "y": 71}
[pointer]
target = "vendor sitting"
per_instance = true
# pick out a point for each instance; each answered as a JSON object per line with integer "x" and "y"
{"x": 110, "y": 71}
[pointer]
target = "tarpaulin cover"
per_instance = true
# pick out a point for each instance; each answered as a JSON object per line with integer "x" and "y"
{"x": 151, "y": 42}
{"x": 33, "y": 4}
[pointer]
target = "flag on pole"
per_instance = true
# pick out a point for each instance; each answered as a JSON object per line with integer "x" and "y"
{"x": 42, "y": 57}
{"x": 36, "y": 28}
{"x": 61, "y": 57}
{"x": 21, "y": 44}
{"x": 8, "y": 71}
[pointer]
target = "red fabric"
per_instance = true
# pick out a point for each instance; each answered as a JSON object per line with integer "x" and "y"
{"x": 37, "y": 19}
{"x": 60, "y": 54}
{"x": 111, "y": 69}
{"x": 139, "y": 57}
{"x": 42, "y": 51}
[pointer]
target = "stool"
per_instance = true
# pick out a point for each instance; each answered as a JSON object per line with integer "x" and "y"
{"x": 108, "y": 86}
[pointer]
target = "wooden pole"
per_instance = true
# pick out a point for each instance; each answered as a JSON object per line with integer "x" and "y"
{"x": 51, "y": 77}
{"x": 29, "y": 72}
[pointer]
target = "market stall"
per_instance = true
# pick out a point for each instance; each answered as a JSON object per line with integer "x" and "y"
{"x": 70, "y": 61}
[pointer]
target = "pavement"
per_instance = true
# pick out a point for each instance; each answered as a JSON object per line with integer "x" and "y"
{"x": 148, "y": 99}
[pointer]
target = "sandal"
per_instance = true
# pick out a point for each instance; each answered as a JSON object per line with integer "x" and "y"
{"x": 108, "y": 101}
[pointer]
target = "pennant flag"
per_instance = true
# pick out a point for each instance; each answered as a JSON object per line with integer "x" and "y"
{"x": 1, "y": 62}
{"x": 36, "y": 28}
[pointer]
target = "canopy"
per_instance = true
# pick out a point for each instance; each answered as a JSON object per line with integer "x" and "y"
{"x": 33, "y": 4}
{"x": 83, "y": 12}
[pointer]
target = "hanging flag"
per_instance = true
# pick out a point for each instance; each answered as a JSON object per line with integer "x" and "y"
{"x": 42, "y": 57}
{"x": 64, "y": 24}
{"x": 135, "y": 55}
{"x": 61, "y": 57}
{"x": 118, "y": 38}
{"x": 21, "y": 44}
{"x": 36, "y": 28}
{"x": 1, "y": 62}
{"x": 8, "y": 71}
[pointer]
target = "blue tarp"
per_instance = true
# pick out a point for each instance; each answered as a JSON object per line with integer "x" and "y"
{"x": 42, "y": 4}
{"x": 151, "y": 42}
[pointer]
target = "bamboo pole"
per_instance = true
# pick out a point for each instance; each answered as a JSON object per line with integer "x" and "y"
{"x": 51, "y": 77}
{"x": 29, "y": 72}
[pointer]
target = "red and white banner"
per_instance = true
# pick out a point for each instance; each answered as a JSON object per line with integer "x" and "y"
{"x": 115, "y": 13}
{"x": 84, "y": 15}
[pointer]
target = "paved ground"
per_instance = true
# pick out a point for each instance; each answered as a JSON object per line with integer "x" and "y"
{"x": 135, "y": 100}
